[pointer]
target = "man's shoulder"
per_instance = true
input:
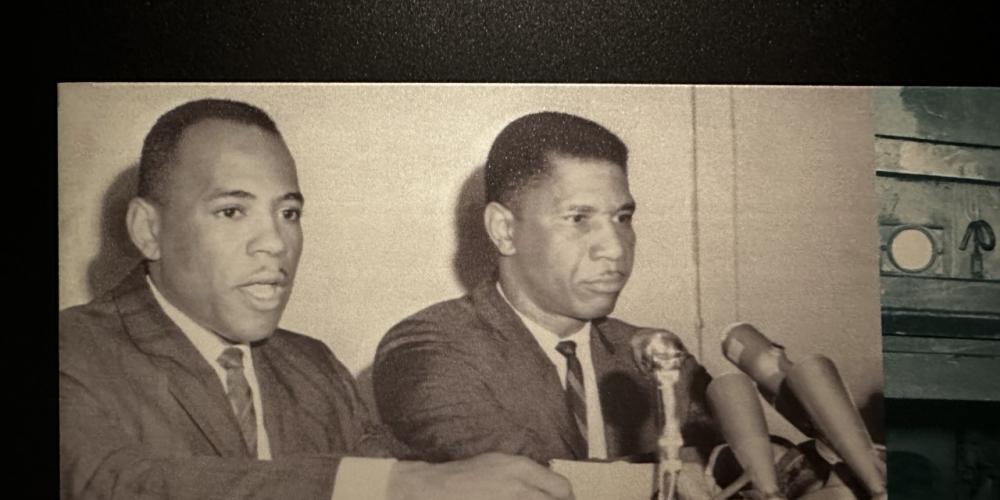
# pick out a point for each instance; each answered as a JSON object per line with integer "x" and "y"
{"x": 457, "y": 323}
{"x": 104, "y": 318}
{"x": 99, "y": 317}
{"x": 94, "y": 338}
{"x": 448, "y": 315}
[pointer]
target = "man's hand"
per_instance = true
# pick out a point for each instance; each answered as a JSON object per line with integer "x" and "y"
{"x": 493, "y": 476}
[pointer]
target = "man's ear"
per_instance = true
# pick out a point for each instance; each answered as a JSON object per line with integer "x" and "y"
{"x": 143, "y": 222}
{"x": 499, "y": 222}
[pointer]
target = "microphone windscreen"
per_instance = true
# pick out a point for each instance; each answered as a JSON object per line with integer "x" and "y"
{"x": 756, "y": 355}
{"x": 736, "y": 406}
{"x": 821, "y": 391}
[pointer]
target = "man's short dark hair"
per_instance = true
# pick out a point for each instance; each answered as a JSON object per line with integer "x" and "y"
{"x": 161, "y": 142}
{"x": 522, "y": 151}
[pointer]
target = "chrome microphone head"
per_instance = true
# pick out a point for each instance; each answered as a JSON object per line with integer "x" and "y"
{"x": 657, "y": 350}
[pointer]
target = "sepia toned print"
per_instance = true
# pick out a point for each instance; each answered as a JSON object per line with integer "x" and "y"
{"x": 753, "y": 205}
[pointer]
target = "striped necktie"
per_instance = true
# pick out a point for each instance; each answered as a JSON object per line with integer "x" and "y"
{"x": 240, "y": 396}
{"x": 575, "y": 396}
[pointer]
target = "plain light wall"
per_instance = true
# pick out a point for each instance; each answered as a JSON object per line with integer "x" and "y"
{"x": 755, "y": 204}
{"x": 788, "y": 239}
{"x": 383, "y": 168}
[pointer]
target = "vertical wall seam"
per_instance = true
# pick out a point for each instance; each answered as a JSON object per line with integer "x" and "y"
{"x": 735, "y": 207}
{"x": 695, "y": 231}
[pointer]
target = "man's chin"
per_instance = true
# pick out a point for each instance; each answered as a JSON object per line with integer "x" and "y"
{"x": 249, "y": 332}
{"x": 597, "y": 310}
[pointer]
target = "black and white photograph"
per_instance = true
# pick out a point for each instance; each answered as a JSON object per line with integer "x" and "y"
{"x": 395, "y": 291}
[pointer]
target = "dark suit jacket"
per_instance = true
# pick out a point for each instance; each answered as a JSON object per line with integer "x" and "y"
{"x": 143, "y": 415}
{"x": 465, "y": 376}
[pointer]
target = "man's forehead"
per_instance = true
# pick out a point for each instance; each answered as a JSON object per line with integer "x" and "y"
{"x": 213, "y": 135}
{"x": 580, "y": 176}
{"x": 556, "y": 157}
{"x": 225, "y": 156}
{"x": 237, "y": 181}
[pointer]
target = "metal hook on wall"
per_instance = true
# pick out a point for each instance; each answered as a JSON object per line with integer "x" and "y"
{"x": 983, "y": 239}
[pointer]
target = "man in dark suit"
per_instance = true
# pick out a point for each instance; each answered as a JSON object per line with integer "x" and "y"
{"x": 178, "y": 383}
{"x": 528, "y": 362}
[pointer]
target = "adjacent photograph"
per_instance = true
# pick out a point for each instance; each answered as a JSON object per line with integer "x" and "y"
{"x": 937, "y": 170}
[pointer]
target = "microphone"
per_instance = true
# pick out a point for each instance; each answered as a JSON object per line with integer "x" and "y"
{"x": 656, "y": 351}
{"x": 766, "y": 363}
{"x": 811, "y": 395}
{"x": 660, "y": 354}
{"x": 821, "y": 390}
{"x": 738, "y": 411}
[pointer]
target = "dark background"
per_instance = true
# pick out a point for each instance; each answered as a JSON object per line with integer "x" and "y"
{"x": 539, "y": 41}
{"x": 787, "y": 42}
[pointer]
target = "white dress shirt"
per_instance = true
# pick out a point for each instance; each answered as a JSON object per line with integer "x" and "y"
{"x": 596, "y": 445}
{"x": 357, "y": 477}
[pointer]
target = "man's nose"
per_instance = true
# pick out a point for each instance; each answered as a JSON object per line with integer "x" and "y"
{"x": 268, "y": 238}
{"x": 610, "y": 241}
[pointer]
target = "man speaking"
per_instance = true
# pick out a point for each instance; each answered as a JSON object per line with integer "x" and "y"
{"x": 179, "y": 384}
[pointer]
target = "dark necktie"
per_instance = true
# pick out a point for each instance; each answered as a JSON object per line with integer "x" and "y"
{"x": 575, "y": 395}
{"x": 240, "y": 396}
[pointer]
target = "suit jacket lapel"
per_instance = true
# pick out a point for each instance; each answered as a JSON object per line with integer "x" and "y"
{"x": 291, "y": 427}
{"x": 602, "y": 354}
{"x": 525, "y": 359}
{"x": 190, "y": 379}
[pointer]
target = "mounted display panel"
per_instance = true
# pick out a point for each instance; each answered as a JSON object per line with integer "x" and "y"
{"x": 939, "y": 192}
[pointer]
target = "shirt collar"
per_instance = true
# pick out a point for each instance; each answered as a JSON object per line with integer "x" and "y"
{"x": 546, "y": 337}
{"x": 209, "y": 344}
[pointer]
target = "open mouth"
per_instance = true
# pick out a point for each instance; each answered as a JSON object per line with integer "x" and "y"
{"x": 264, "y": 296}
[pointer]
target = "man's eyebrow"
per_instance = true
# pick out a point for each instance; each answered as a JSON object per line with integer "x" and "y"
{"x": 295, "y": 196}
{"x": 235, "y": 193}
{"x": 586, "y": 209}
{"x": 239, "y": 193}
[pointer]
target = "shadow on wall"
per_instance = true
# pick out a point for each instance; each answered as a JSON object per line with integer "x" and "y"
{"x": 475, "y": 257}
{"x": 473, "y": 261}
{"x": 117, "y": 255}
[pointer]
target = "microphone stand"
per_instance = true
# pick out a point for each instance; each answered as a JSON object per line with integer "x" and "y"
{"x": 660, "y": 354}
{"x": 670, "y": 441}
